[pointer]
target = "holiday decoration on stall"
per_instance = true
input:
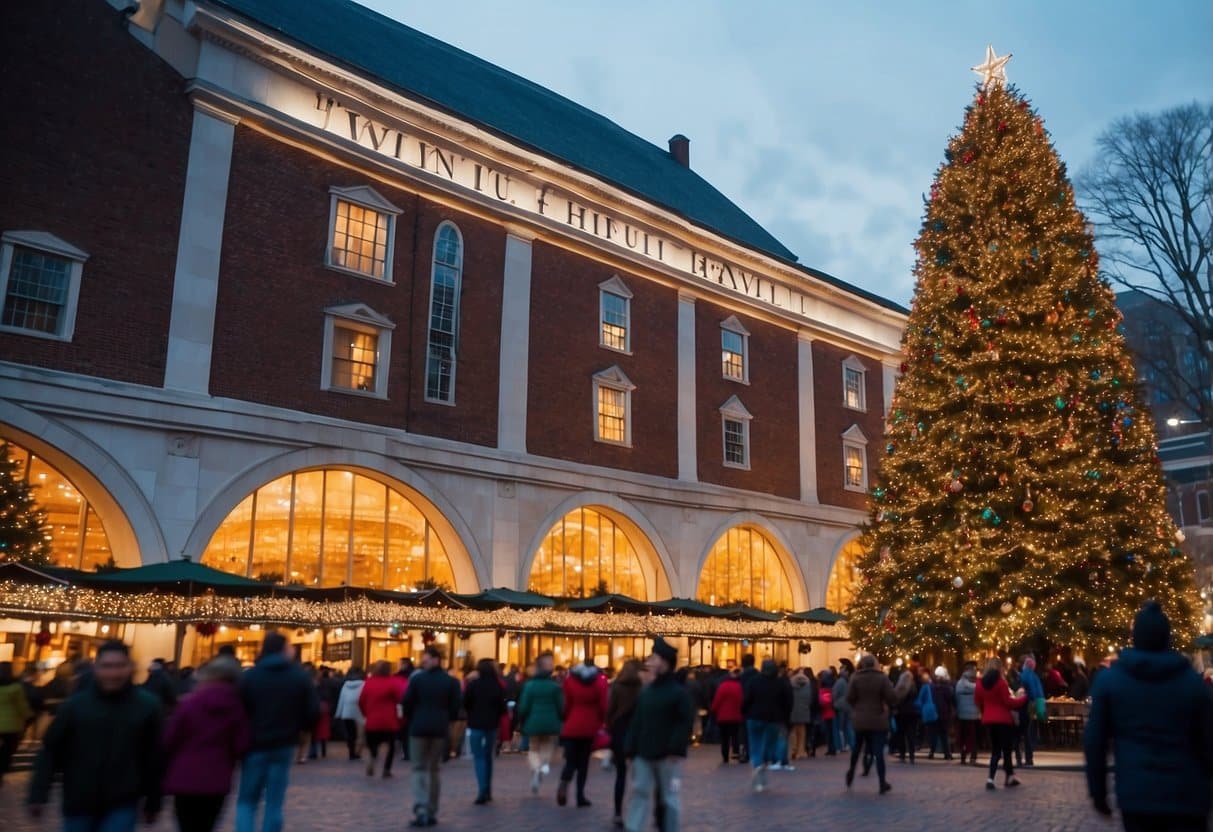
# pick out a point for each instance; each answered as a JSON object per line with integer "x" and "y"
{"x": 206, "y": 629}
{"x": 1025, "y": 504}
{"x": 24, "y": 534}
{"x": 43, "y": 637}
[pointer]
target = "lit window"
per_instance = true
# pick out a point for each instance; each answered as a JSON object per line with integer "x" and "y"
{"x": 735, "y": 421}
{"x": 744, "y": 567}
{"x": 1202, "y": 507}
{"x": 615, "y": 309}
{"x": 612, "y": 407}
{"x": 357, "y": 344}
{"x": 854, "y": 376}
{"x": 855, "y": 459}
{"x": 734, "y": 350}
{"x": 40, "y": 284}
{"x": 443, "y": 341}
{"x": 362, "y": 226}
{"x": 585, "y": 554}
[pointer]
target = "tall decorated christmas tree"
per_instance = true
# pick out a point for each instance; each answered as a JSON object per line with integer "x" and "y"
{"x": 23, "y": 534}
{"x": 1021, "y": 501}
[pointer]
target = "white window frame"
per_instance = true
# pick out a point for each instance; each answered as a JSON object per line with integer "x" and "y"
{"x": 853, "y": 365}
{"x": 734, "y": 411}
{"x": 429, "y": 316}
{"x": 854, "y": 439}
{"x": 368, "y": 198}
{"x": 1203, "y": 517}
{"x": 361, "y": 318}
{"x": 46, "y": 243}
{"x": 731, "y": 324}
{"x": 615, "y": 286}
{"x": 614, "y": 378}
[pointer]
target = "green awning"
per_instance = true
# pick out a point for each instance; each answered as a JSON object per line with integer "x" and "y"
{"x": 179, "y": 574}
{"x": 610, "y": 602}
{"x": 687, "y": 606}
{"x": 750, "y": 613}
{"x": 818, "y": 615}
{"x": 491, "y": 599}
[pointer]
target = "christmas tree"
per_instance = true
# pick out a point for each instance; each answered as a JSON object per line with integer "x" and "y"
{"x": 1021, "y": 500}
{"x": 23, "y": 534}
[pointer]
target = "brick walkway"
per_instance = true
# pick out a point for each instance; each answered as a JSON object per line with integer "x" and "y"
{"x": 337, "y": 795}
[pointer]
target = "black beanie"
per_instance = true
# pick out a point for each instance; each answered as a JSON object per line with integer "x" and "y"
{"x": 667, "y": 651}
{"x": 1152, "y": 630}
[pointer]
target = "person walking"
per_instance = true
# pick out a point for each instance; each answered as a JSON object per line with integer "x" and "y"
{"x": 585, "y": 706}
{"x": 657, "y": 740}
{"x": 15, "y": 713}
{"x": 967, "y": 714}
{"x": 1033, "y": 709}
{"x": 161, "y": 684}
{"x": 540, "y": 708}
{"x": 484, "y": 701}
{"x": 844, "y": 734}
{"x": 281, "y": 704}
{"x": 939, "y": 732}
{"x": 349, "y": 714}
{"x": 825, "y": 698}
{"x": 726, "y": 710}
{"x": 767, "y": 704}
{"x": 801, "y": 717}
{"x": 909, "y": 715}
{"x": 621, "y": 705}
{"x": 206, "y": 737}
{"x": 1080, "y": 685}
{"x": 1156, "y": 714}
{"x": 872, "y": 700}
{"x": 379, "y": 701}
{"x": 993, "y": 698}
{"x": 105, "y": 740}
{"x": 431, "y": 703}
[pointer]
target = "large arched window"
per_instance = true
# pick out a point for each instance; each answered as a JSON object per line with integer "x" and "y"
{"x": 844, "y": 577}
{"x": 745, "y": 568}
{"x": 587, "y": 553}
{"x": 443, "y": 340}
{"x": 331, "y": 527}
{"x": 77, "y": 537}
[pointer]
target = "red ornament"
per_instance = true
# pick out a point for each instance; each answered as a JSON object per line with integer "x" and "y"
{"x": 43, "y": 638}
{"x": 981, "y": 98}
{"x": 206, "y": 629}
{"x": 428, "y": 637}
{"x": 1002, "y": 127}
{"x": 968, "y": 157}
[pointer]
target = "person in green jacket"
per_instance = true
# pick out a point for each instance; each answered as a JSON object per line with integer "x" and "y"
{"x": 540, "y": 711}
{"x": 15, "y": 713}
{"x": 106, "y": 741}
{"x": 657, "y": 740}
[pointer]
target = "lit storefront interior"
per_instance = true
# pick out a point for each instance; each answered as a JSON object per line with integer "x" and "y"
{"x": 587, "y": 553}
{"x": 844, "y": 577}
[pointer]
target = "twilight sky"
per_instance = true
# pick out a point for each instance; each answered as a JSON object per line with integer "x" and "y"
{"x": 826, "y": 121}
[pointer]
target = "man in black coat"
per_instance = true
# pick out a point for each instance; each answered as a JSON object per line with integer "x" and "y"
{"x": 431, "y": 704}
{"x": 657, "y": 740}
{"x": 1153, "y": 708}
{"x": 767, "y": 704}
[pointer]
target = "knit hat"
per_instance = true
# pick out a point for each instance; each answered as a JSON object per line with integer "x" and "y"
{"x": 1152, "y": 630}
{"x": 667, "y": 651}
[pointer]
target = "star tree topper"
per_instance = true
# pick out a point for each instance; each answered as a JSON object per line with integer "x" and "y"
{"x": 994, "y": 71}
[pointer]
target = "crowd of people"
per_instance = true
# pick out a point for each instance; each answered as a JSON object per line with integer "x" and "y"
{"x": 121, "y": 748}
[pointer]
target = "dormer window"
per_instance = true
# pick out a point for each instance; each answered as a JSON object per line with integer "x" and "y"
{"x": 362, "y": 228}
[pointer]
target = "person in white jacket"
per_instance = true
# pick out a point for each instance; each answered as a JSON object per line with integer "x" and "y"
{"x": 350, "y": 714}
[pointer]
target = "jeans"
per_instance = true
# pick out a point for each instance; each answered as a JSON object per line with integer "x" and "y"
{"x": 1002, "y": 740}
{"x": 115, "y": 820}
{"x": 874, "y": 740}
{"x": 263, "y": 772}
{"x": 649, "y": 775}
{"x": 844, "y": 734}
{"x": 779, "y": 754}
{"x": 621, "y": 778}
{"x": 353, "y": 737}
{"x": 483, "y": 743}
{"x": 730, "y": 738}
{"x": 938, "y": 739}
{"x": 1027, "y": 734}
{"x": 763, "y": 737}
{"x": 427, "y": 755}
{"x": 831, "y": 740}
{"x": 907, "y": 735}
{"x": 198, "y": 812}
{"x": 577, "y": 761}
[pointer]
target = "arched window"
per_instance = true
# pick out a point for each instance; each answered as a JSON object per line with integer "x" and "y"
{"x": 443, "y": 341}
{"x": 328, "y": 528}
{"x": 587, "y": 553}
{"x": 844, "y": 578}
{"x": 77, "y": 537}
{"x": 745, "y": 568}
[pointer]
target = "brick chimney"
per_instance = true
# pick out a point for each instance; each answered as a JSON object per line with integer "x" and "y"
{"x": 680, "y": 149}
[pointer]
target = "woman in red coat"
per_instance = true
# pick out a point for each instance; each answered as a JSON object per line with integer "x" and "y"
{"x": 379, "y": 702}
{"x": 585, "y": 707}
{"x": 206, "y": 737}
{"x": 726, "y": 710}
{"x": 993, "y": 698}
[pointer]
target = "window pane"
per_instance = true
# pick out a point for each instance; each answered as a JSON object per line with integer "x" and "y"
{"x": 305, "y": 533}
{"x": 37, "y": 290}
{"x": 356, "y": 230}
{"x": 853, "y": 391}
{"x": 406, "y": 544}
{"x": 96, "y": 543}
{"x": 732, "y": 346}
{"x": 614, "y": 321}
{"x": 355, "y": 355}
{"x": 854, "y": 466}
{"x": 338, "y": 494}
{"x": 439, "y": 565}
{"x": 583, "y": 549}
{"x": 370, "y": 505}
{"x": 734, "y": 442}
{"x": 228, "y": 549}
{"x": 271, "y": 531}
{"x": 744, "y": 567}
{"x": 612, "y": 414}
{"x": 444, "y": 315}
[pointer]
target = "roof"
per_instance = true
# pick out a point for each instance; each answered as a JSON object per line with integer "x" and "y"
{"x": 425, "y": 68}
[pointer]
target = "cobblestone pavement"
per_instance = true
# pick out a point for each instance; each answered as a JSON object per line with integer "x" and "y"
{"x": 336, "y": 794}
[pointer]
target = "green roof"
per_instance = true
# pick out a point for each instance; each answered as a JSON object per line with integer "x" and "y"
{"x": 610, "y": 603}
{"x": 425, "y": 68}
{"x": 819, "y": 615}
{"x": 504, "y": 597}
{"x": 182, "y": 572}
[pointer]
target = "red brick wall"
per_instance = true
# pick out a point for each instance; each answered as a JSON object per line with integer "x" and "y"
{"x": 770, "y": 396}
{"x": 833, "y": 419}
{"x": 93, "y": 147}
{"x": 565, "y": 355}
{"x": 274, "y": 288}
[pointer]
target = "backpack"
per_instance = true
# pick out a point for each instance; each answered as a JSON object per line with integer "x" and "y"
{"x": 926, "y": 702}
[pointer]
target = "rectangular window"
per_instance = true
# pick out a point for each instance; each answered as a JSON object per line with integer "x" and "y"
{"x": 853, "y": 388}
{"x": 37, "y": 292}
{"x": 612, "y": 415}
{"x": 360, "y": 239}
{"x": 1203, "y": 514}
{"x": 355, "y": 358}
{"x": 856, "y": 463}
{"x": 732, "y": 351}
{"x": 614, "y": 321}
{"x": 736, "y": 443}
